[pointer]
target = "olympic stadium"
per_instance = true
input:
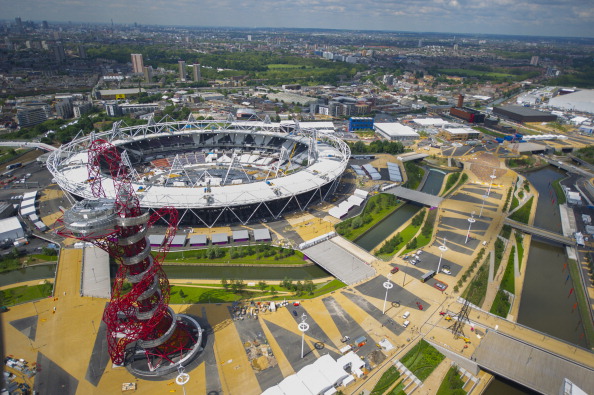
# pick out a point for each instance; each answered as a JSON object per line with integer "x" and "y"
{"x": 214, "y": 172}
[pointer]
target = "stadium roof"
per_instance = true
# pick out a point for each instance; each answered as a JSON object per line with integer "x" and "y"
{"x": 582, "y": 100}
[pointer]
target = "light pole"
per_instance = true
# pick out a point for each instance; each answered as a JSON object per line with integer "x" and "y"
{"x": 303, "y": 327}
{"x": 182, "y": 378}
{"x": 483, "y": 205}
{"x": 471, "y": 220}
{"x": 493, "y": 176}
{"x": 388, "y": 285}
{"x": 443, "y": 249}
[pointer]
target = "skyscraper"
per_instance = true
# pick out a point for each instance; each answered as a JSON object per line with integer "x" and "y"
{"x": 59, "y": 53}
{"x": 137, "y": 63}
{"x": 197, "y": 73}
{"x": 182, "y": 70}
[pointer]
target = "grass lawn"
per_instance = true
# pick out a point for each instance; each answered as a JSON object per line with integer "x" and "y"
{"x": 398, "y": 390}
{"x": 499, "y": 249}
{"x": 488, "y": 132}
{"x": 523, "y": 213}
{"x": 407, "y": 234}
{"x": 559, "y": 192}
{"x": 377, "y": 209}
{"x": 583, "y": 304}
{"x": 388, "y": 378}
{"x": 257, "y": 258}
{"x": 326, "y": 288}
{"x": 515, "y": 203}
{"x": 285, "y": 66}
{"x": 520, "y": 245}
{"x": 13, "y": 296}
{"x": 422, "y": 360}
{"x": 501, "y": 304}
{"x": 206, "y": 295}
{"x": 478, "y": 285}
{"x": 508, "y": 280}
{"x": 452, "y": 383}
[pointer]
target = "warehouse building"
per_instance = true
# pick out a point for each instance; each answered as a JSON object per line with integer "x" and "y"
{"x": 396, "y": 131}
{"x": 10, "y": 228}
{"x": 524, "y": 114}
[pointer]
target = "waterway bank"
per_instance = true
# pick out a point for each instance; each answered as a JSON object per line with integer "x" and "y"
{"x": 387, "y": 227}
{"x": 547, "y": 303}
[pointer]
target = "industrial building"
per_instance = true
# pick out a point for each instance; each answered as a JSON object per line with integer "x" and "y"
{"x": 524, "y": 114}
{"x": 10, "y": 228}
{"x": 467, "y": 114}
{"x": 360, "y": 123}
{"x": 582, "y": 100}
{"x": 453, "y": 134}
{"x": 396, "y": 131}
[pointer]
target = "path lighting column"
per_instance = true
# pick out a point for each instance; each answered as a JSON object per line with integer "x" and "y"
{"x": 483, "y": 205}
{"x": 443, "y": 249}
{"x": 303, "y": 327}
{"x": 471, "y": 220}
{"x": 182, "y": 378}
{"x": 493, "y": 177}
{"x": 388, "y": 285}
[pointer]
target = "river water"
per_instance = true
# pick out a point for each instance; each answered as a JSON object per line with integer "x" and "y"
{"x": 545, "y": 303}
{"x": 29, "y": 273}
{"x": 384, "y": 229}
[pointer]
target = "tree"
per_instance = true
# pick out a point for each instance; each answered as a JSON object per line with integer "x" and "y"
{"x": 309, "y": 287}
{"x": 182, "y": 294}
{"x": 262, "y": 285}
{"x": 224, "y": 283}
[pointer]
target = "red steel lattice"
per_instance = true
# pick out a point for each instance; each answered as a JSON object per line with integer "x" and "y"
{"x": 149, "y": 295}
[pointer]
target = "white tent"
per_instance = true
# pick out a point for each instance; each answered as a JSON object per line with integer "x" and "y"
{"x": 330, "y": 369}
{"x": 314, "y": 380}
{"x": 292, "y": 385}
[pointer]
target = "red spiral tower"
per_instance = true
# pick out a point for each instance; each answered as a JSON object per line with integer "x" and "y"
{"x": 143, "y": 333}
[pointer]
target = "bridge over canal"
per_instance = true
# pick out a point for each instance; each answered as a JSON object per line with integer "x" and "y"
{"x": 533, "y": 230}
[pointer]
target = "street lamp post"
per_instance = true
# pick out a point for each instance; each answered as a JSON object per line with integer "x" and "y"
{"x": 471, "y": 220}
{"x": 303, "y": 327}
{"x": 182, "y": 378}
{"x": 483, "y": 205}
{"x": 443, "y": 249}
{"x": 388, "y": 285}
{"x": 492, "y": 176}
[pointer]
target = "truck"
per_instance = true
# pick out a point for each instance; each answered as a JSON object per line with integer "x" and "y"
{"x": 360, "y": 341}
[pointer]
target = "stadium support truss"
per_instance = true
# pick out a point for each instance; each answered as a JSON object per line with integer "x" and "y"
{"x": 143, "y": 333}
{"x": 304, "y": 167}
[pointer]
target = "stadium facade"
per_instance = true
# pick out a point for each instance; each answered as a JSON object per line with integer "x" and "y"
{"x": 214, "y": 172}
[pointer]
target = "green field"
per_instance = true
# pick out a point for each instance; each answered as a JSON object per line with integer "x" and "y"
{"x": 452, "y": 383}
{"x": 22, "y": 294}
{"x": 286, "y": 66}
{"x": 422, "y": 359}
{"x": 377, "y": 208}
{"x": 245, "y": 255}
{"x": 501, "y": 304}
{"x": 388, "y": 378}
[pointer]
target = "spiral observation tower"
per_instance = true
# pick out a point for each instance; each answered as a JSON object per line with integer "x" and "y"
{"x": 213, "y": 172}
{"x": 143, "y": 332}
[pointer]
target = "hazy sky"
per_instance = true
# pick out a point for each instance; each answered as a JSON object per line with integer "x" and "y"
{"x": 534, "y": 17}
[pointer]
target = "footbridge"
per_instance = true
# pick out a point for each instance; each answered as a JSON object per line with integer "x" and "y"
{"x": 533, "y": 230}
{"x": 416, "y": 196}
{"x": 534, "y": 367}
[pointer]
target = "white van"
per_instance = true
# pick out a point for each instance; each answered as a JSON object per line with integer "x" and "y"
{"x": 406, "y": 315}
{"x": 406, "y": 323}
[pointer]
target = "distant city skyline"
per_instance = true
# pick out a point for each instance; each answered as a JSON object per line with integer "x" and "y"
{"x": 563, "y": 18}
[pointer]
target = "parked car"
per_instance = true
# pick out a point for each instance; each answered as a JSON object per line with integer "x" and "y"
{"x": 394, "y": 270}
{"x": 295, "y": 313}
{"x": 441, "y": 286}
{"x": 446, "y": 269}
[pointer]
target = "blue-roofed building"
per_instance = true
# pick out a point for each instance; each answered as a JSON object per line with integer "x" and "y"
{"x": 360, "y": 123}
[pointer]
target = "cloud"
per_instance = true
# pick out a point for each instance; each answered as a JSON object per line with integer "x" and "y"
{"x": 532, "y": 17}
